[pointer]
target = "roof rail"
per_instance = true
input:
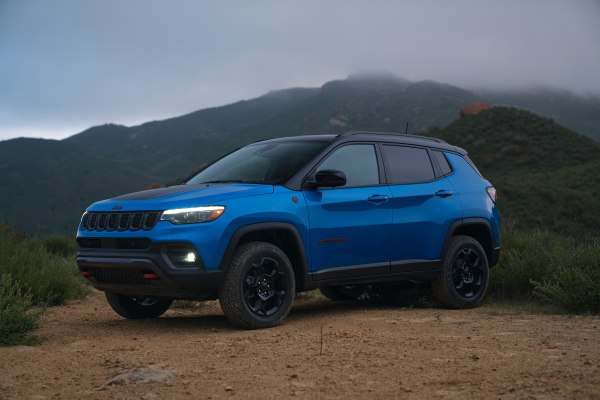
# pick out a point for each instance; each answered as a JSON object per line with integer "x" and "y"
{"x": 408, "y": 135}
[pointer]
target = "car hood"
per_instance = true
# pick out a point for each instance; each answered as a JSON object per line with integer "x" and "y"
{"x": 181, "y": 196}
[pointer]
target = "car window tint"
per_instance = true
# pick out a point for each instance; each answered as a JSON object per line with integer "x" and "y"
{"x": 407, "y": 164}
{"x": 357, "y": 161}
{"x": 442, "y": 162}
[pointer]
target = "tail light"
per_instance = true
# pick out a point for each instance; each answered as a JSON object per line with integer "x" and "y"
{"x": 491, "y": 191}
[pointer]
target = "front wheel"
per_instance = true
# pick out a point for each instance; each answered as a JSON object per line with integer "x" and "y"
{"x": 259, "y": 286}
{"x": 138, "y": 307}
{"x": 464, "y": 278}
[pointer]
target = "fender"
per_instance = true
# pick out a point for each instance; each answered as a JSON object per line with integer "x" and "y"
{"x": 266, "y": 226}
{"x": 492, "y": 258}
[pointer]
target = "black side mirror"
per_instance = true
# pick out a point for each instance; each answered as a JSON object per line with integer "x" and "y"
{"x": 328, "y": 178}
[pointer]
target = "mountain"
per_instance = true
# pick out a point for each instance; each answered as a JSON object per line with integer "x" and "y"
{"x": 47, "y": 184}
{"x": 546, "y": 174}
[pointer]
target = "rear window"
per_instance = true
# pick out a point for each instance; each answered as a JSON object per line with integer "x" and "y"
{"x": 407, "y": 164}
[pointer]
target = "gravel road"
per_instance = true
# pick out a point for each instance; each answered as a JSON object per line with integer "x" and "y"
{"x": 368, "y": 352}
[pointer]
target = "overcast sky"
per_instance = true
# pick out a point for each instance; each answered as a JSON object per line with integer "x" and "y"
{"x": 69, "y": 64}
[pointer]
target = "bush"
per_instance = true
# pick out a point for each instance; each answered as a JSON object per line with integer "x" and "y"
{"x": 17, "y": 319}
{"x": 547, "y": 266}
{"x": 60, "y": 245}
{"x": 49, "y": 277}
{"x": 525, "y": 256}
{"x": 575, "y": 283}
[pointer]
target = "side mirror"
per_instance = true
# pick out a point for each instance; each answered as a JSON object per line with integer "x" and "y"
{"x": 328, "y": 178}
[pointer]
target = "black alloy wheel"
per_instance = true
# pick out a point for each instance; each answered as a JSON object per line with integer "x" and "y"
{"x": 464, "y": 277}
{"x": 467, "y": 273}
{"x": 259, "y": 286}
{"x": 265, "y": 287}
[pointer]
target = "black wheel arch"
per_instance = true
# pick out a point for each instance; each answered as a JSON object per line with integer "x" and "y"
{"x": 281, "y": 234}
{"x": 477, "y": 228}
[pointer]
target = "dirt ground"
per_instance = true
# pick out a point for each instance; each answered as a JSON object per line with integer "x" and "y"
{"x": 368, "y": 352}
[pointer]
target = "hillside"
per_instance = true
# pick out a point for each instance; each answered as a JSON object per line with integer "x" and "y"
{"x": 546, "y": 174}
{"x": 47, "y": 184}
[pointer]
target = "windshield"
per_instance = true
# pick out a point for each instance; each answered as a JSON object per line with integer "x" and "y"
{"x": 265, "y": 163}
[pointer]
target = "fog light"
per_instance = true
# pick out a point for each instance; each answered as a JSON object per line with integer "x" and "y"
{"x": 181, "y": 255}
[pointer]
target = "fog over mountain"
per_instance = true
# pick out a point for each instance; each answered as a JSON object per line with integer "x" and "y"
{"x": 67, "y": 65}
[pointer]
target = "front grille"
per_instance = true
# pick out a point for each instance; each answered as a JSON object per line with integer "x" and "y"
{"x": 130, "y": 244}
{"x": 99, "y": 221}
{"x": 113, "y": 243}
{"x": 89, "y": 243}
{"x": 128, "y": 276}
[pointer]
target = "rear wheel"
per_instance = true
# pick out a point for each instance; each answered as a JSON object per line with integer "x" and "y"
{"x": 343, "y": 292}
{"x": 259, "y": 287}
{"x": 138, "y": 307}
{"x": 464, "y": 278}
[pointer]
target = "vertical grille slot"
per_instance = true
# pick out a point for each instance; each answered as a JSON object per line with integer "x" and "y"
{"x": 150, "y": 220}
{"x": 102, "y": 221}
{"x": 124, "y": 221}
{"x": 85, "y": 221}
{"x": 93, "y": 220}
{"x": 112, "y": 221}
{"x": 136, "y": 221}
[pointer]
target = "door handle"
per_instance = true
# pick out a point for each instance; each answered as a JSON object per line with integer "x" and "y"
{"x": 443, "y": 193}
{"x": 378, "y": 198}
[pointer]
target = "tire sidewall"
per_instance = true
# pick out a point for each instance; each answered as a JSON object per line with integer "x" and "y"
{"x": 242, "y": 264}
{"x": 460, "y": 243}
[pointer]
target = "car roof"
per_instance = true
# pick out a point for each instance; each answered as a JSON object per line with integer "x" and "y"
{"x": 387, "y": 137}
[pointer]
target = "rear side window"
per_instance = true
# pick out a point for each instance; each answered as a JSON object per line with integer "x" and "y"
{"x": 442, "y": 162}
{"x": 407, "y": 164}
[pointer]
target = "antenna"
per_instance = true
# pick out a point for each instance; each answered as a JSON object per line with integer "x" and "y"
{"x": 406, "y": 129}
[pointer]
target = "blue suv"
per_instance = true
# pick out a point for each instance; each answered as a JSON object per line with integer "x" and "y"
{"x": 287, "y": 215}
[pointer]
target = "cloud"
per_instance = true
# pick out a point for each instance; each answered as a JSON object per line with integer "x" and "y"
{"x": 71, "y": 64}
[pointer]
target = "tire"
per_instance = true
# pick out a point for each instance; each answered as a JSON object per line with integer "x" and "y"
{"x": 138, "y": 307}
{"x": 259, "y": 286}
{"x": 464, "y": 279}
{"x": 343, "y": 292}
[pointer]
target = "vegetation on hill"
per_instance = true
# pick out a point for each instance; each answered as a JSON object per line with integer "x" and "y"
{"x": 47, "y": 184}
{"x": 34, "y": 274}
{"x": 544, "y": 173}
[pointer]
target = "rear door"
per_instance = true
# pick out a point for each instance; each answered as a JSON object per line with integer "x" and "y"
{"x": 424, "y": 206}
{"x": 351, "y": 225}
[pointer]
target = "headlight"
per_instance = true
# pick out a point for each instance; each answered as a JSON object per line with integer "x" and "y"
{"x": 192, "y": 215}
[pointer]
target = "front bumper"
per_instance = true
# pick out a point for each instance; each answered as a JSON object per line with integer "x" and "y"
{"x": 147, "y": 272}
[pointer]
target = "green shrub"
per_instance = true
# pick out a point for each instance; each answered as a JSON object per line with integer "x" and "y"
{"x": 525, "y": 256}
{"x": 49, "y": 278}
{"x": 544, "y": 265}
{"x": 575, "y": 283}
{"x": 17, "y": 319}
{"x": 60, "y": 245}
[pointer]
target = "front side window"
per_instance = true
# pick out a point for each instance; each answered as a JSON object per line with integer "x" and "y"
{"x": 407, "y": 164}
{"x": 263, "y": 163}
{"x": 357, "y": 161}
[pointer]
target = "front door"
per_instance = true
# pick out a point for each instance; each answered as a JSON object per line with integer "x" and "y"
{"x": 351, "y": 225}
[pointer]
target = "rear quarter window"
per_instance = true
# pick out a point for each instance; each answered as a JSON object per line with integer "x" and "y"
{"x": 445, "y": 167}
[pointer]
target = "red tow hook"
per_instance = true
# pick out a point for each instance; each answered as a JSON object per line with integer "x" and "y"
{"x": 86, "y": 274}
{"x": 150, "y": 276}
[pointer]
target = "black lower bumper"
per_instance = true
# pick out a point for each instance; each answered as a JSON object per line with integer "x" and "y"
{"x": 147, "y": 273}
